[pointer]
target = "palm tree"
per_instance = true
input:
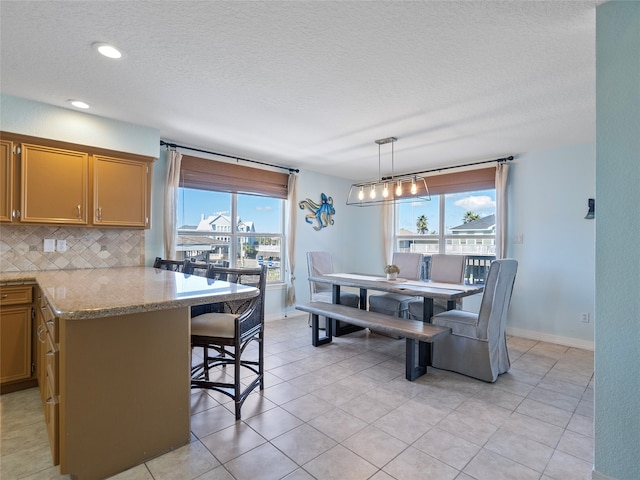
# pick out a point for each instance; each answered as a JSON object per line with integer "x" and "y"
{"x": 470, "y": 217}
{"x": 422, "y": 224}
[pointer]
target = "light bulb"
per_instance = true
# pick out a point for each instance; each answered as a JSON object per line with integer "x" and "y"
{"x": 385, "y": 191}
{"x": 78, "y": 104}
{"x": 108, "y": 50}
{"x": 414, "y": 188}
{"x": 361, "y": 194}
{"x": 372, "y": 193}
{"x": 399, "y": 188}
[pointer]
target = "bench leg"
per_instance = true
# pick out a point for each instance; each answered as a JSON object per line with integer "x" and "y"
{"x": 316, "y": 340}
{"x": 423, "y": 354}
{"x": 343, "y": 328}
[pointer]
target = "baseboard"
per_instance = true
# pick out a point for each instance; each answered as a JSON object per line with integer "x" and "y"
{"x": 281, "y": 316}
{"x": 600, "y": 476}
{"x": 546, "y": 337}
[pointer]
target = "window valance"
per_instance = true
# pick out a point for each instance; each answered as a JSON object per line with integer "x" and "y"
{"x": 217, "y": 176}
{"x": 465, "y": 181}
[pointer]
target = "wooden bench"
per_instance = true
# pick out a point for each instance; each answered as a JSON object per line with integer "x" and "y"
{"x": 414, "y": 331}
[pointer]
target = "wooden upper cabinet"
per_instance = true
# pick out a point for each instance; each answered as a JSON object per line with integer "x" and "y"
{"x": 55, "y": 185}
{"x": 51, "y": 182}
{"x": 6, "y": 180}
{"x": 120, "y": 192}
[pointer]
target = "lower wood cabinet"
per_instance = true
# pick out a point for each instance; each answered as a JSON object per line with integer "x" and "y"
{"x": 48, "y": 373}
{"x": 17, "y": 362}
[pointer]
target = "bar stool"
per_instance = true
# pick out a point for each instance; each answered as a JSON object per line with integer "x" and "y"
{"x": 225, "y": 335}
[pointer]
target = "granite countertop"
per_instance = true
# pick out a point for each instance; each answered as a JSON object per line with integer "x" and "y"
{"x": 106, "y": 292}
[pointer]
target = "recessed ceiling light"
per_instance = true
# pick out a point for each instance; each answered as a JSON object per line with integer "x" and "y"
{"x": 78, "y": 104}
{"x": 107, "y": 50}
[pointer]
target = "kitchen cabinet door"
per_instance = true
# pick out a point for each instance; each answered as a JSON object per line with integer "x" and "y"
{"x": 120, "y": 190}
{"x": 55, "y": 185}
{"x": 17, "y": 365}
{"x": 15, "y": 323}
{"x": 6, "y": 180}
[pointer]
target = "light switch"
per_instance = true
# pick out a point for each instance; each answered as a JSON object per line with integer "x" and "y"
{"x": 49, "y": 245}
{"x": 61, "y": 245}
{"x": 518, "y": 239}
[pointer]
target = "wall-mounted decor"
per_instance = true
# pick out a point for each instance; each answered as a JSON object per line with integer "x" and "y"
{"x": 322, "y": 213}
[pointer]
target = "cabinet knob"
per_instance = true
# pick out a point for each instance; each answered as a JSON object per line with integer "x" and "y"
{"x": 5, "y": 296}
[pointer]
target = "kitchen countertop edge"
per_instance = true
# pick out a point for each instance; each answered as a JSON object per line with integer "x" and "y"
{"x": 66, "y": 310}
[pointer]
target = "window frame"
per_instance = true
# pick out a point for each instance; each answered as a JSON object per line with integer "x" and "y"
{"x": 475, "y": 262}
{"x": 234, "y": 236}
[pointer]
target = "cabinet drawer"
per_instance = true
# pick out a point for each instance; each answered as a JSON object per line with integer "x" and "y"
{"x": 51, "y": 359}
{"x": 50, "y": 321}
{"x": 15, "y": 294}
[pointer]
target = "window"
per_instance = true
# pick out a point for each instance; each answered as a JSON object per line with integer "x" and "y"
{"x": 207, "y": 233}
{"x": 218, "y": 222}
{"x": 458, "y": 222}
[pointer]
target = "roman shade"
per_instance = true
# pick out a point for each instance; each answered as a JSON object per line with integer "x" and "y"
{"x": 204, "y": 174}
{"x": 465, "y": 181}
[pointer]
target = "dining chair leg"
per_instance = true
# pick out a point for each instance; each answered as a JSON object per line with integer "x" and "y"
{"x": 236, "y": 382}
{"x": 261, "y": 358}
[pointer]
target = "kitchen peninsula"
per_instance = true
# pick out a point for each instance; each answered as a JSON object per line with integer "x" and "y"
{"x": 114, "y": 363}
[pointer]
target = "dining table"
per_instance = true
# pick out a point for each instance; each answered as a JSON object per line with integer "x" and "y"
{"x": 428, "y": 290}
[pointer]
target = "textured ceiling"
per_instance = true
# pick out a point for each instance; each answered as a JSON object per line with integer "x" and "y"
{"x": 312, "y": 84}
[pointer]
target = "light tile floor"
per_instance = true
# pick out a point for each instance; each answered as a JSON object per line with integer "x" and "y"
{"x": 345, "y": 411}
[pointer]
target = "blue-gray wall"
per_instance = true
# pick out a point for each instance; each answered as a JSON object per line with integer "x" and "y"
{"x": 617, "y": 332}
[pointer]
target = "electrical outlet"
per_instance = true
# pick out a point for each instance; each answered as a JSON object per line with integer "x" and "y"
{"x": 584, "y": 317}
{"x": 61, "y": 245}
{"x": 49, "y": 245}
{"x": 518, "y": 239}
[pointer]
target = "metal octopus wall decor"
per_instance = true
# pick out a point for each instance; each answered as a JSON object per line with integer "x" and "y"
{"x": 322, "y": 213}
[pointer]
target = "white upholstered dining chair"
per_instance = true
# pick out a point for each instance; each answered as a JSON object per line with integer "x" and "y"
{"x": 395, "y": 304}
{"x": 477, "y": 346}
{"x": 444, "y": 268}
{"x": 321, "y": 263}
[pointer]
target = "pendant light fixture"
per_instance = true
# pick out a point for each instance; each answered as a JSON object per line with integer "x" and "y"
{"x": 389, "y": 189}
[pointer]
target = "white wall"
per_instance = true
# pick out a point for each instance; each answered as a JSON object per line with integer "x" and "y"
{"x": 19, "y": 115}
{"x": 351, "y": 239}
{"x": 556, "y": 262}
{"x": 154, "y": 237}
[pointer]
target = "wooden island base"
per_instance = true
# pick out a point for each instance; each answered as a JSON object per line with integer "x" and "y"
{"x": 124, "y": 390}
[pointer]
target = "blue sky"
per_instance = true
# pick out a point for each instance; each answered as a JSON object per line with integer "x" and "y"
{"x": 263, "y": 211}
{"x": 483, "y": 203}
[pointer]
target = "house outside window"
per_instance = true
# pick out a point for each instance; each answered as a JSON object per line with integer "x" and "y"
{"x": 232, "y": 229}
{"x": 461, "y": 223}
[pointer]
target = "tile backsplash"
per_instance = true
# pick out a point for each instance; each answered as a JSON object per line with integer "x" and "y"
{"x": 22, "y": 248}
